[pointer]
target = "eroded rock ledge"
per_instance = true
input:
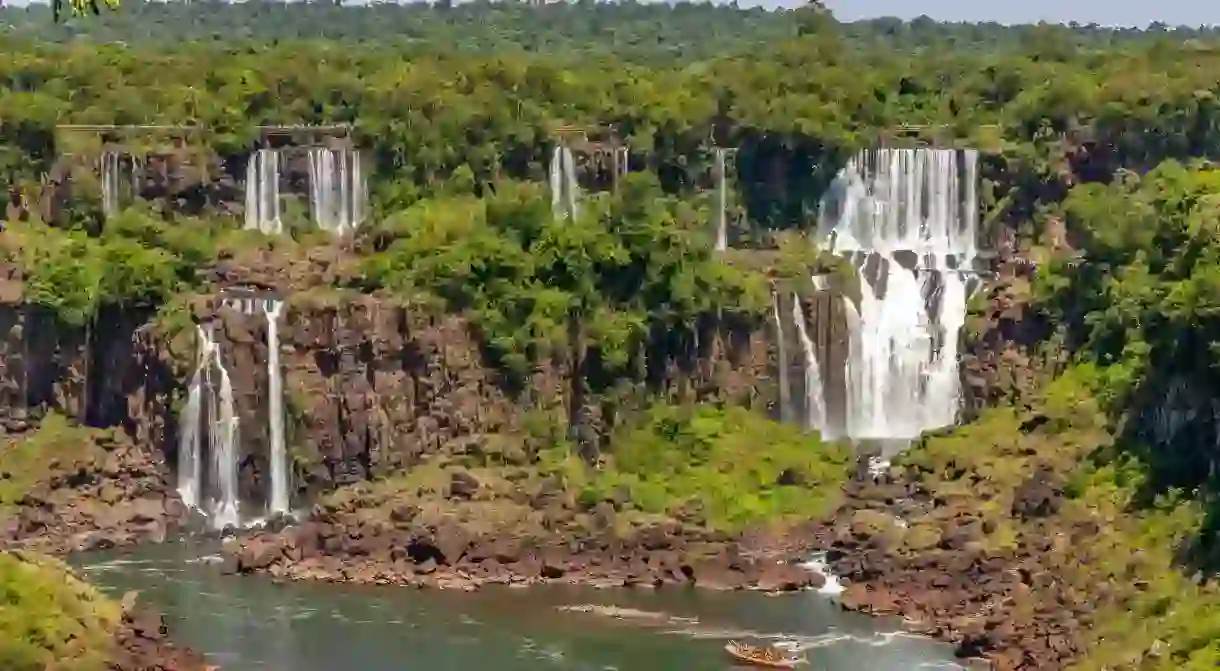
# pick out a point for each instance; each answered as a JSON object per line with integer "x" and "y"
{"x": 474, "y": 533}
{"x": 998, "y": 592}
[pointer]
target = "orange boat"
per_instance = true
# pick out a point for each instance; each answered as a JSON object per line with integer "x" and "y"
{"x": 768, "y": 657}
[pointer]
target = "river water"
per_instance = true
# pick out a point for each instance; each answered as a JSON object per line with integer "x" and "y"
{"x": 248, "y": 624}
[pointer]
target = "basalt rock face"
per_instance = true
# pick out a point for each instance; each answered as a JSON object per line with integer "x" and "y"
{"x": 85, "y": 372}
{"x": 369, "y": 384}
{"x": 1008, "y": 351}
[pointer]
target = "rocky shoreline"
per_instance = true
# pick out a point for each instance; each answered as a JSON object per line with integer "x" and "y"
{"x": 902, "y": 552}
{"x": 897, "y": 548}
{"x": 109, "y": 493}
{"x": 413, "y": 548}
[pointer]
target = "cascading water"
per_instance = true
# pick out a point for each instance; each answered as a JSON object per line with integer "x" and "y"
{"x": 189, "y": 455}
{"x": 209, "y": 385}
{"x": 336, "y": 189}
{"x": 224, "y": 442}
{"x": 908, "y": 220}
{"x": 564, "y": 189}
{"x": 263, "y": 192}
{"x": 722, "y": 190}
{"x": 279, "y": 469}
{"x": 815, "y": 405}
{"x": 109, "y": 169}
{"x": 785, "y": 406}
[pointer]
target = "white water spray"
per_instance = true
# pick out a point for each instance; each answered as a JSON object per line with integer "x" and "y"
{"x": 263, "y": 192}
{"x": 908, "y": 220}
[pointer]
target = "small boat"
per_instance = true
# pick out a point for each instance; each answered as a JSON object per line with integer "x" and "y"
{"x": 768, "y": 657}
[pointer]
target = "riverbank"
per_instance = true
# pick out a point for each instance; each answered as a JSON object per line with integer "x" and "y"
{"x": 722, "y": 515}
{"x": 70, "y": 489}
{"x": 67, "y": 623}
{"x": 253, "y": 624}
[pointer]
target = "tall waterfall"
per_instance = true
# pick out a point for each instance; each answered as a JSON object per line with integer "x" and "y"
{"x": 622, "y": 161}
{"x": 279, "y": 454}
{"x": 564, "y": 189}
{"x": 815, "y": 404}
{"x": 211, "y": 390}
{"x": 190, "y": 458}
{"x": 109, "y": 168}
{"x": 785, "y": 407}
{"x": 263, "y": 192}
{"x": 337, "y": 189}
{"x": 722, "y": 197}
{"x": 279, "y": 486}
{"x": 908, "y": 221}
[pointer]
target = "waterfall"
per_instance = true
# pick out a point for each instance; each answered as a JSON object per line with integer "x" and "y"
{"x": 622, "y": 162}
{"x": 189, "y": 456}
{"x": 722, "y": 223}
{"x": 337, "y": 190}
{"x": 263, "y": 192}
{"x": 908, "y": 221}
{"x": 279, "y": 472}
{"x": 815, "y": 406}
{"x": 564, "y": 189}
{"x": 785, "y": 409}
{"x": 109, "y": 169}
{"x": 224, "y": 450}
{"x": 217, "y": 392}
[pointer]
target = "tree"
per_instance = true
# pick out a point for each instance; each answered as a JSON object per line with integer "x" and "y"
{"x": 81, "y": 7}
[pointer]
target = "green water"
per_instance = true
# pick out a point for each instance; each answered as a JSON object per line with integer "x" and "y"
{"x": 246, "y": 624}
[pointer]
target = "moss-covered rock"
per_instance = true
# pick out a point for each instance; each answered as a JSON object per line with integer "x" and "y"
{"x": 51, "y": 619}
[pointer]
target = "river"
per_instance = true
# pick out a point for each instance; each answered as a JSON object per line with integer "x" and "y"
{"x": 249, "y": 624}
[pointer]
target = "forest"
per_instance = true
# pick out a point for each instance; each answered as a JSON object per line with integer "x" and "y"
{"x": 1107, "y": 134}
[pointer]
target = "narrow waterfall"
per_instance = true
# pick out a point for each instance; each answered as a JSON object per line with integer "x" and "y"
{"x": 622, "y": 161}
{"x": 111, "y": 195}
{"x": 722, "y": 198}
{"x": 190, "y": 458}
{"x": 337, "y": 190}
{"x": 815, "y": 404}
{"x": 908, "y": 221}
{"x": 279, "y": 455}
{"x": 263, "y": 192}
{"x": 564, "y": 189}
{"x": 224, "y": 450}
{"x": 209, "y": 389}
{"x": 785, "y": 391}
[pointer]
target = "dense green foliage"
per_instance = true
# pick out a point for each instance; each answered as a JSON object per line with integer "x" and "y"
{"x": 633, "y": 30}
{"x": 1106, "y": 131}
{"x": 56, "y": 450}
{"x": 707, "y": 463}
{"x": 627, "y": 265}
{"x": 50, "y": 619}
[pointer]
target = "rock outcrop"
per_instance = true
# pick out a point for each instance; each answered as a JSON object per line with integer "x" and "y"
{"x": 458, "y": 529}
{"x": 100, "y": 491}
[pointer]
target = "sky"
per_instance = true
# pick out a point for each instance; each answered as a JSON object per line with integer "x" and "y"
{"x": 1105, "y": 12}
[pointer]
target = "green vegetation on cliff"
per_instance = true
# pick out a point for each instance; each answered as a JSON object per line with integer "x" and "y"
{"x": 51, "y": 620}
{"x": 1102, "y": 134}
{"x": 729, "y": 467}
{"x": 56, "y": 450}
